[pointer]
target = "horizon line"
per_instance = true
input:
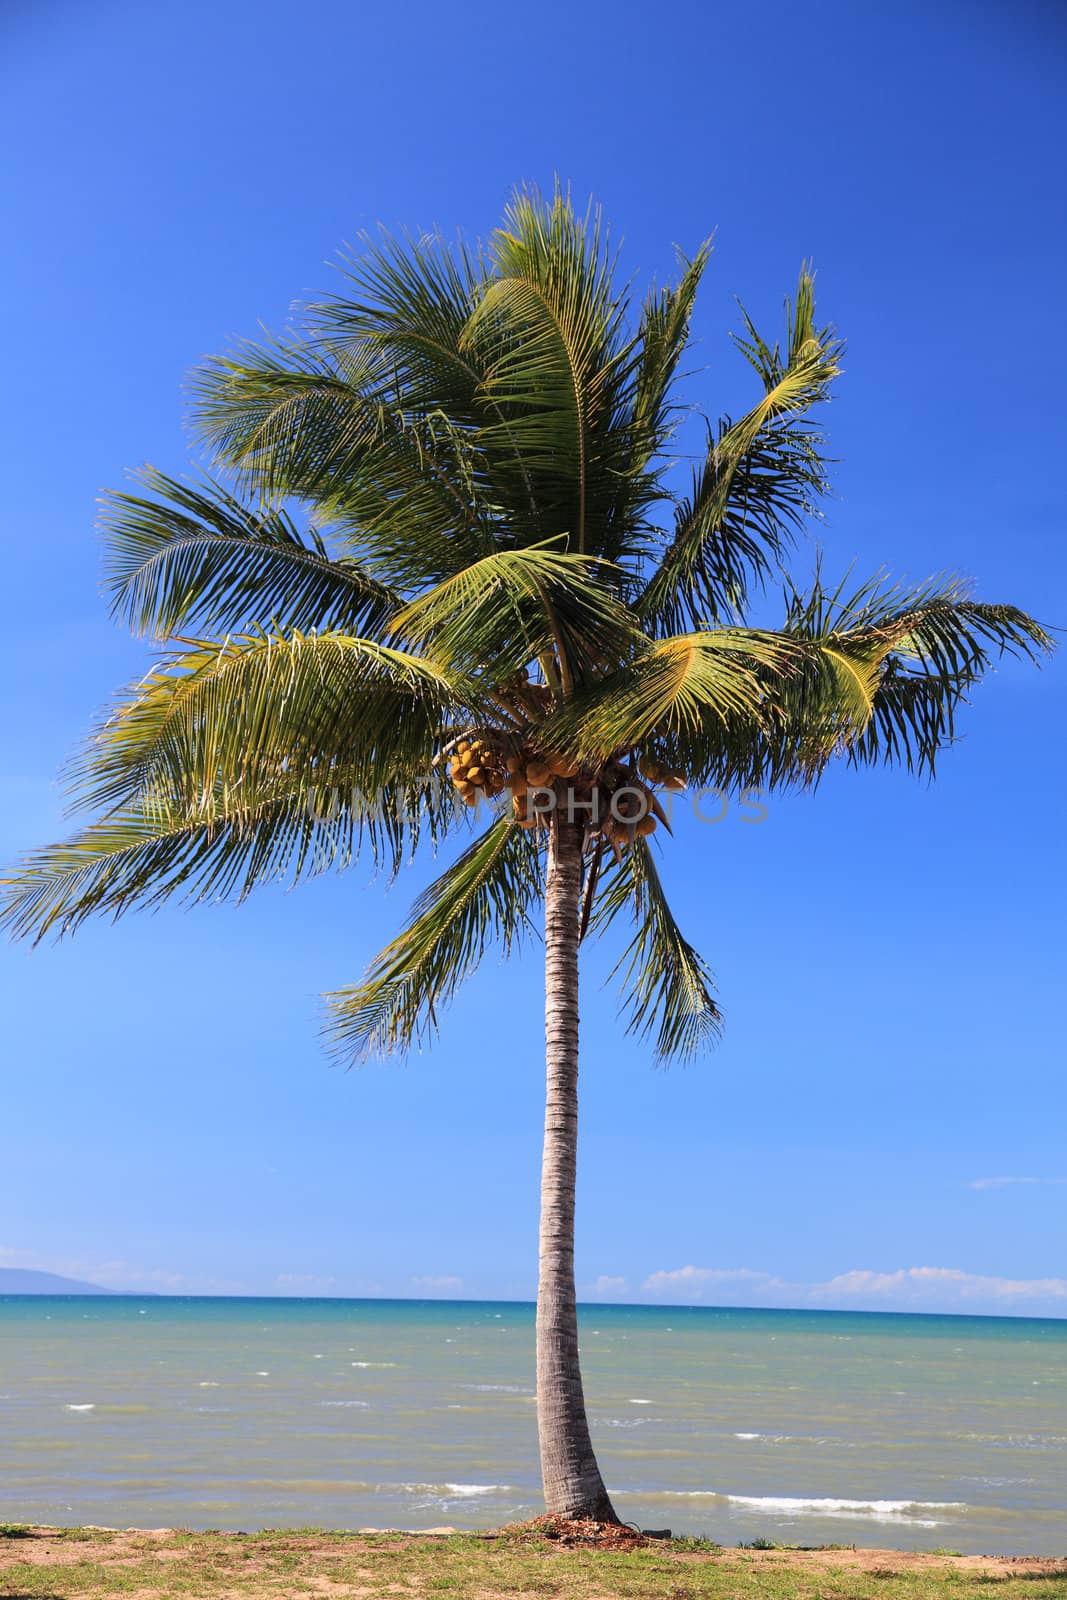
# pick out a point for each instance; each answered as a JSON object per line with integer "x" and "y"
{"x": 100, "y": 1293}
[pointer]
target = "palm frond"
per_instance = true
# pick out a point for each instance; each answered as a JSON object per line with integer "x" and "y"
{"x": 663, "y": 334}
{"x": 408, "y": 491}
{"x": 407, "y": 300}
{"x": 676, "y": 690}
{"x": 518, "y": 606}
{"x": 761, "y": 477}
{"x": 548, "y": 332}
{"x": 667, "y": 987}
{"x": 148, "y": 851}
{"x": 232, "y": 719}
{"x": 487, "y": 895}
{"x": 884, "y": 671}
{"x": 287, "y": 417}
{"x": 180, "y": 556}
{"x": 646, "y": 421}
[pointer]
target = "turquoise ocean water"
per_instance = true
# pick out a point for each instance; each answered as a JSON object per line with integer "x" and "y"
{"x": 814, "y": 1427}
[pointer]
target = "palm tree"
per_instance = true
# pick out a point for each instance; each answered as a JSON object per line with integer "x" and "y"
{"x": 499, "y": 597}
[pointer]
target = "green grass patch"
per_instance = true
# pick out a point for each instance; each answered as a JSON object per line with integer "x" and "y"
{"x": 90, "y": 1564}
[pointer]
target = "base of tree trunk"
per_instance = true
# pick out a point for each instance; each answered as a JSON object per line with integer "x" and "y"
{"x": 609, "y": 1534}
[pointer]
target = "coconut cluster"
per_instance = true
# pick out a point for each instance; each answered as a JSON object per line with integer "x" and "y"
{"x": 618, "y": 803}
{"x": 476, "y": 768}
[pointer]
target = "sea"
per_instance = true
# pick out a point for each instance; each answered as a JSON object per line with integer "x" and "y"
{"x": 812, "y": 1427}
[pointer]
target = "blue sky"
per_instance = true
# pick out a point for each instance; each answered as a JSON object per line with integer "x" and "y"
{"x": 882, "y": 1124}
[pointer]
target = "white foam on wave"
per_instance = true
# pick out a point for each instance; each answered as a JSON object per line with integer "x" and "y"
{"x": 640, "y": 1402}
{"x": 455, "y": 1491}
{"x": 910, "y": 1511}
{"x": 89, "y": 1407}
{"x": 496, "y": 1388}
{"x": 776, "y": 1438}
{"x": 364, "y": 1405}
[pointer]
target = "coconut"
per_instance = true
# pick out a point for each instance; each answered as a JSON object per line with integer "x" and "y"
{"x": 674, "y": 780}
{"x": 471, "y": 799}
{"x": 646, "y": 825}
{"x": 537, "y": 774}
{"x": 659, "y": 812}
{"x": 475, "y": 774}
{"x": 514, "y": 763}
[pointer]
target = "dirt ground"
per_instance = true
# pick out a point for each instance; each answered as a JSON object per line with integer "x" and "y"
{"x": 535, "y": 1561}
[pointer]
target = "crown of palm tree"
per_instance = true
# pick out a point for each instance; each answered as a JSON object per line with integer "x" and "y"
{"x": 497, "y": 575}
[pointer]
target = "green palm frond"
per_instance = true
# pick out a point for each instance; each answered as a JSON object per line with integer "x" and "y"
{"x": 647, "y": 423}
{"x": 409, "y": 492}
{"x": 667, "y": 987}
{"x": 411, "y": 300}
{"x": 548, "y": 331}
{"x": 288, "y": 418}
{"x": 885, "y": 669}
{"x": 142, "y": 854}
{"x": 517, "y": 606}
{"x": 232, "y": 718}
{"x": 663, "y": 335}
{"x": 182, "y": 556}
{"x": 407, "y": 300}
{"x": 677, "y": 689}
{"x": 486, "y": 896}
{"x": 760, "y": 479}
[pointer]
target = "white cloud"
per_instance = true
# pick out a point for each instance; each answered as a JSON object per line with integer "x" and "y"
{"x": 1003, "y": 1183}
{"x": 607, "y": 1286}
{"x": 931, "y": 1289}
{"x": 127, "y": 1276}
{"x": 105, "y": 1274}
{"x": 437, "y": 1283}
{"x": 691, "y": 1282}
{"x": 304, "y": 1283}
{"x": 919, "y": 1286}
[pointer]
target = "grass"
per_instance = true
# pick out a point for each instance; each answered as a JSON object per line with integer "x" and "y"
{"x": 90, "y": 1564}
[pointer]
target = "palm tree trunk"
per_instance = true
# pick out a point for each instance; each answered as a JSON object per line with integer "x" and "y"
{"x": 572, "y": 1482}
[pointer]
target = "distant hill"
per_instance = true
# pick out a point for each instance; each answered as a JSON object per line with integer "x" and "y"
{"x": 20, "y": 1280}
